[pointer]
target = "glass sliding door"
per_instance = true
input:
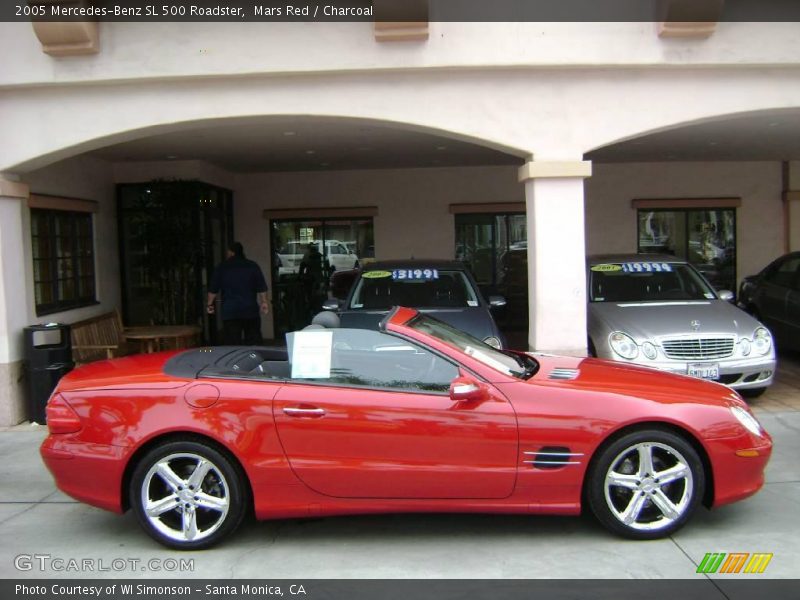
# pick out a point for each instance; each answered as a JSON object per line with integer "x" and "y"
{"x": 305, "y": 254}
{"x": 662, "y": 232}
{"x": 495, "y": 248}
{"x": 514, "y": 270}
{"x": 476, "y": 246}
{"x": 706, "y": 238}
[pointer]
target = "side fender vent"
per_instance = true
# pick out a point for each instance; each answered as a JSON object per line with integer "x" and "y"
{"x": 553, "y": 457}
{"x": 563, "y": 373}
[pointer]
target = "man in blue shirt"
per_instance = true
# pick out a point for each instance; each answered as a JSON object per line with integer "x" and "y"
{"x": 244, "y": 293}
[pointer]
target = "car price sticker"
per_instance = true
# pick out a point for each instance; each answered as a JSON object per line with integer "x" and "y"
{"x": 415, "y": 274}
{"x": 646, "y": 267}
{"x": 376, "y": 274}
{"x": 606, "y": 268}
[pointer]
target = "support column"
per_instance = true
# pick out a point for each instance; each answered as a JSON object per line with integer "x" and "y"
{"x": 13, "y": 300}
{"x": 556, "y": 256}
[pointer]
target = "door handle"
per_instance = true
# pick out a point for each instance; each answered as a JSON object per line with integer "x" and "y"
{"x": 303, "y": 412}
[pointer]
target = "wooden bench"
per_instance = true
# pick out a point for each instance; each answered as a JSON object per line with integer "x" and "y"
{"x": 98, "y": 338}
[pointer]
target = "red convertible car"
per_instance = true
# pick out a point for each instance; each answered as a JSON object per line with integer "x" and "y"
{"x": 415, "y": 417}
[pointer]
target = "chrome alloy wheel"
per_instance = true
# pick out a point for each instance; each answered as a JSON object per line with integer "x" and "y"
{"x": 649, "y": 486}
{"x": 185, "y": 497}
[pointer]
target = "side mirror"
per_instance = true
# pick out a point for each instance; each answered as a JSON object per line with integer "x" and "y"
{"x": 331, "y": 304}
{"x": 465, "y": 389}
{"x": 497, "y": 301}
{"x": 726, "y": 295}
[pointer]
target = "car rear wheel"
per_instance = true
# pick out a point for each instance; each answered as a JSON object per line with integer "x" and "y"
{"x": 646, "y": 485}
{"x": 187, "y": 495}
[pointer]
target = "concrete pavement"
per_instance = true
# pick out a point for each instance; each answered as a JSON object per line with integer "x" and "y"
{"x": 36, "y": 519}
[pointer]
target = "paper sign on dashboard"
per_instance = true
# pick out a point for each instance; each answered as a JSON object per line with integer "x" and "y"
{"x": 311, "y": 354}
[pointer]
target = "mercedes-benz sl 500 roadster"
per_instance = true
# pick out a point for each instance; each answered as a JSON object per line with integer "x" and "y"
{"x": 415, "y": 417}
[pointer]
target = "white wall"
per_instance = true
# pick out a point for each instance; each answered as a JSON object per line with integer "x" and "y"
{"x": 551, "y": 114}
{"x": 611, "y": 220}
{"x": 13, "y": 299}
{"x": 413, "y": 205}
{"x": 130, "y": 51}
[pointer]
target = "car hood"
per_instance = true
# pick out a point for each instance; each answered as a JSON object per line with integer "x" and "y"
{"x": 633, "y": 381}
{"x": 644, "y": 320}
{"x": 475, "y": 320}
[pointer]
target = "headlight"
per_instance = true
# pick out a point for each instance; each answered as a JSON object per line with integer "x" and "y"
{"x": 762, "y": 341}
{"x": 623, "y": 344}
{"x": 649, "y": 350}
{"x": 493, "y": 342}
{"x": 747, "y": 420}
{"x": 744, "y": 346}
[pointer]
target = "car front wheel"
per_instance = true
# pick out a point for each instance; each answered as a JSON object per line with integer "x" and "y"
{"x": 187, "y": 495}
{"x": 646, "y": 485}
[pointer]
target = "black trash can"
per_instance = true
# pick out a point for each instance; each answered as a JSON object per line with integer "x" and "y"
{"x": 48, "y": 357}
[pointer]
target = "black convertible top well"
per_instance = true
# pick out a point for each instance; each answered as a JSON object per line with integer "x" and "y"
{"x": 221, "y": 360}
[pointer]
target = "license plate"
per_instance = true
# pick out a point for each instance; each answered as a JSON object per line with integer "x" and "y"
{"x": 703, "y": 371}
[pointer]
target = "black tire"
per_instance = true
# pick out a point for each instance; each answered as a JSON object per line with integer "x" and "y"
{"x": 753, "y": 392}
{"x": 666, "y": 450}
{"x": 221, "y": 486}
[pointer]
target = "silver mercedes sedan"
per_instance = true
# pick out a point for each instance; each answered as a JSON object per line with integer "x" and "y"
{"x": 660, "y": 312}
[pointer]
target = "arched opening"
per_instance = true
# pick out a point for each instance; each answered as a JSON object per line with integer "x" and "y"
{"x": 712, "y": 191}
{"x": 764, "y": 135}
{"x": 179, "y": 193}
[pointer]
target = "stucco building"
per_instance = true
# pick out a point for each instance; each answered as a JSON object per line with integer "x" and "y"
{"x": 541, "y": 141}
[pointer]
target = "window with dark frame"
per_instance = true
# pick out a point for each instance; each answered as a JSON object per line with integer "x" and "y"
{"x": 704, "y": 237}
{"x": 63, "y": 260}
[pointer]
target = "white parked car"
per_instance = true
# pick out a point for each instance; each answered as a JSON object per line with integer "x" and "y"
{"x": 338, "y": 254}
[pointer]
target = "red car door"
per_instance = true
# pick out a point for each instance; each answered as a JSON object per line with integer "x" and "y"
{"x": 368, "y": 443}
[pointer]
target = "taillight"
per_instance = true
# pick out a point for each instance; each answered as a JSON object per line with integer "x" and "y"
{"x": 60, "y": 416}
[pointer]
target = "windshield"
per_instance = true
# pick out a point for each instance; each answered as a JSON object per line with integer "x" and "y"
{"x": 647, "y": 282}
{"x": 417, "y": 288}
{"x": 522, "y": 366}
